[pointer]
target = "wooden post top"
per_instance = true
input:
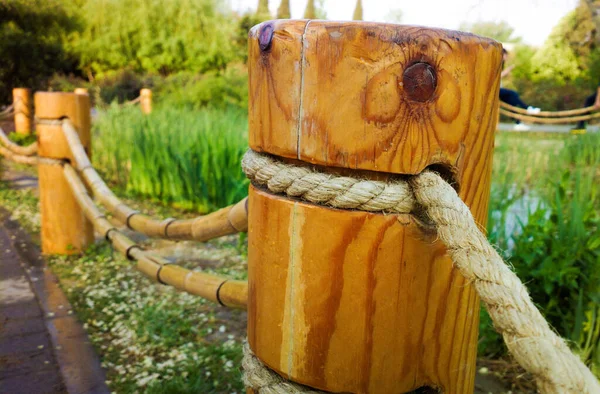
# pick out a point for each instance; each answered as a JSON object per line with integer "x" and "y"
{"x": 56, "y": 106}
{"x": 371, "y": 96}
{"x": 20, "y": 91}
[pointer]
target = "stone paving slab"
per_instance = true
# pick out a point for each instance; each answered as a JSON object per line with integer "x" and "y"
{"x": 43, "y": 347}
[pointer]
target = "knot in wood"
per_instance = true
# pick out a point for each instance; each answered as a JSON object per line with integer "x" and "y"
{"x": 419, "y": 81}
{"x": 265, "y": 36}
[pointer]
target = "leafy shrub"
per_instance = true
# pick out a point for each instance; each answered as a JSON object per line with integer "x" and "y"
{"x": 213, "y": 90}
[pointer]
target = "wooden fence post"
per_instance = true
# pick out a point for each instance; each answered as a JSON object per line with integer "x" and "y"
{"x": 357, "y": 302}
{"x": 146, "y": 100}
{"x": 23, "y": 110}
{"x": 65, "y": 230}
{"x": 81, "y": 91}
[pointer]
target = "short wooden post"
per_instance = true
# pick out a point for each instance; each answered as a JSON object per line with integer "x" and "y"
{"x": 65, "y": 230}
{"x": 23, "y": 110}
{"x": 357, "y": 302}
{"x": 81, "y": 91}
{"x": 146, "y": 100}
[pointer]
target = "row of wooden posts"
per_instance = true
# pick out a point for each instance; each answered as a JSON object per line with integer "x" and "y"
{"x": 343, "y": 301}
{"x": 24, "y": 121}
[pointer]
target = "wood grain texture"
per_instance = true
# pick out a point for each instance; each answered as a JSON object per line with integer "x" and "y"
{"x": 23, "y": 110}
{"x": 359, "y": 302}
{"x": 65, "y": 229}
{"x": 333, "y": 94}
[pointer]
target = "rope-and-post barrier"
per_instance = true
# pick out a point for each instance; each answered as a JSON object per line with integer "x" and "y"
{"x": 65, "y": 229}
{"x": 146, "y": 100}
{"x": 354, "y": 301}
{"x": 23, "y": 110}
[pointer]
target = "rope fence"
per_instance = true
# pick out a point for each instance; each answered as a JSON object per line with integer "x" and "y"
{"x": 229, "y": 220}
{"x": 550, "y": 117}
{"x": 429, "y": 199}
{"x": 231, "y": 293}
{"x": 8, "y": 112}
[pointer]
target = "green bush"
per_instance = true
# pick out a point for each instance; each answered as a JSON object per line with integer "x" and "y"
{"x": 213, "y": 90}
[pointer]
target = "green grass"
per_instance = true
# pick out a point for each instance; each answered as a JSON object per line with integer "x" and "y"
{"x": 152, "y": 338}
{"x": 190, "y": 159}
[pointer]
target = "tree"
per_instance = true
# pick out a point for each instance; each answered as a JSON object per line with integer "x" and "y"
{"x": 499, "y": 31}
{"x": 32, "y": 47}
{"x": 358, "y": 11}
{"x": 263, "y": 8}
{"x": 153, "y": 36}
{"x": 310, "y": 11}
{"x": 283, "y": 12}
{"x": 569, "y": 50}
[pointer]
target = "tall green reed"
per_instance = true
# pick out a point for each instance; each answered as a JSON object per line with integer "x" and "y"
{"x": 185, "y": 158}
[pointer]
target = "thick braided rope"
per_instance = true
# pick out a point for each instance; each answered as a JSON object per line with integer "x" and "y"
{"x": 335, "y": 191}
{"x": 527, "y": 334}
{"x": 259, "y": 377}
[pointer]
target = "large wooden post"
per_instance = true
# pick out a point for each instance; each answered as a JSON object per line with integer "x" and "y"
{"x": 357, "y": 302}
{"x": 65, "y": 230}
{"x": 146, "y": 100}
{"x": 23, "y": 110}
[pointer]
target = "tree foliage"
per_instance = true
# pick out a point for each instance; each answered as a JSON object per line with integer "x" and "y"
{"x": 499, "y": 31}
{"x": 358, "y": 11}
{"x": 32, "y": 35}
{"x": 283, "y": 12}
{"x": 310, "y": 11}
{"x": 155, "y": 36}
{"x": 262, "y": 10}
{"x": 568, "y": 52}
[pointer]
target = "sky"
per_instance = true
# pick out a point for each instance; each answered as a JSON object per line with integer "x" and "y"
{"x": 532, "y": 19}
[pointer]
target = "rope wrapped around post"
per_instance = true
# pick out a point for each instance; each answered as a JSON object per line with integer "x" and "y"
{"x": 534, "y": 345}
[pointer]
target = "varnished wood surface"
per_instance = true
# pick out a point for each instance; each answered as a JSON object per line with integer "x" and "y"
{"x": 65, "y": 229}
{"x": 56, "y": 106}
{"x": 356, "y": 302}
{"x": 333, "y": 93}
{"x": 23, "y": 110}
{"x": 352, "y": 301}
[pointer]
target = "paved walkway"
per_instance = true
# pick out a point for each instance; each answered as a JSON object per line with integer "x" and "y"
{"x": 43, "y": 347}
